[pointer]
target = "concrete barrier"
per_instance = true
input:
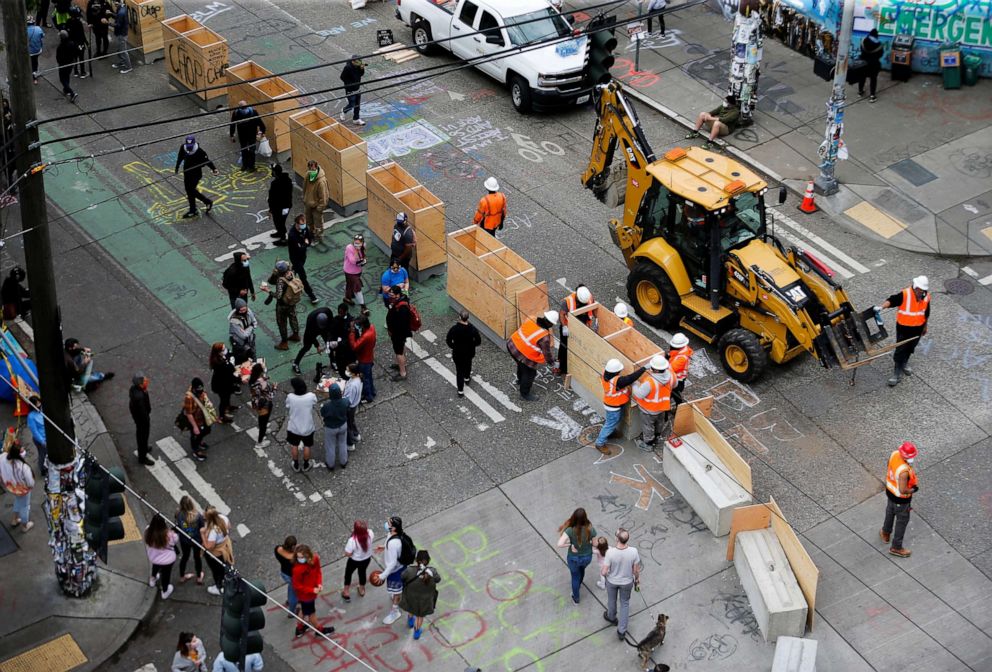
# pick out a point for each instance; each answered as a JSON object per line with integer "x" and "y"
{"x": 793, "y": 654}
{"x": 771, "y": 587}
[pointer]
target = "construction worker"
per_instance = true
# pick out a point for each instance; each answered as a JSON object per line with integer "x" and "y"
{"x": 900, "y": 484}
{"x": 492, "y": 208}
{"x": 653, "y": 395}
{"x": 530, "y": 346}
{"x": 616, "y": 395}
{"x": 913, "y": 311}
{"x": 621, "y": 311}
{"x": 679, "y": 356}
{"x": 580, "y": 298}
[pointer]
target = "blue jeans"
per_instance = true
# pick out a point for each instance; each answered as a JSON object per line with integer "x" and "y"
{"x": 22, "y": 507}
{"x": 610, "y": 424}
{"x": 368, "y": 385}
{"x": 577, "y": 567}
{"x": 290, "y": 593}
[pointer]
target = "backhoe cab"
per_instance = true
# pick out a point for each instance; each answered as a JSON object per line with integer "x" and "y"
{"x": 695, "y": 237}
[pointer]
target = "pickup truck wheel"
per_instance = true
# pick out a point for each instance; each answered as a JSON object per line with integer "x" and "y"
{"x": 742, "y": 355}
{"x": 520, "y": 94}
{"x": 653, "y": 295}
{"x": 422, "y": 37}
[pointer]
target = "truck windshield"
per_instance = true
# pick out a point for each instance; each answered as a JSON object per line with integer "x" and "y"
{"x": 540, "y": 25}
{"x": 742, "y": 221}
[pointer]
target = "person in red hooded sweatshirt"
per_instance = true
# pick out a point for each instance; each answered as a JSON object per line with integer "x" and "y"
{"x": 308, "y": 581}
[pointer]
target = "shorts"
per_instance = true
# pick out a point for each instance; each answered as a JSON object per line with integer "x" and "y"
{"x": 399, "y": 344}
{"x": 296, "y": 439}
{"x": 308, "y": 608}
{"x": 394, "y": 582}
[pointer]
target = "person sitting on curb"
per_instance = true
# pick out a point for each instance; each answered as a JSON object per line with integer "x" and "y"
{"x": 720, "y": 122}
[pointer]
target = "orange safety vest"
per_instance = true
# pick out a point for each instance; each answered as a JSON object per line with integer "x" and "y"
{"x": 491, "y": 211}
{"x": 912, "y": 313}
{"x": 612, "y": 396}
{"x": 658, "y": 399}
{"x": 526, "y": 339}
{"x": 571, "y": 303}
{"x": 896, "y": 466}
{"x": 678, "y": 360}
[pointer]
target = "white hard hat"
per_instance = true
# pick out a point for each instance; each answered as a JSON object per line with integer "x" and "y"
{"x": 922, "y": 282}
{"x": 614, "y": 366}
{"x": 620, "y": 310}
{"x": 659, "y": 363}
{"x": 583, "y": 294}
{"x": 491, "y": 184}
{"x": 551, "y": 316}
{"x": 680, "y": 340}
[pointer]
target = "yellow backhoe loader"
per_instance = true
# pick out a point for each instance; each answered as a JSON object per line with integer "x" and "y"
{"x": 696, "y": 239}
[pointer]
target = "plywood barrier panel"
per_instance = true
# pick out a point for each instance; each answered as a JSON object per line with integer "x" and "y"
{"x": 473, "y": 284}
{"x": 237, "y": 89}
{"x": 588, "y": 354}
{"x": 531, "y": 302}
{"x": 507, "y": 264}
{"x": 301, "y": 127}
{"x": 393, "y": 178}
{"x": 807, "y": 575}
{"x": 426, "y": 212}
{"x": 754, "y": 517}
{"x": 202, "y": 62}
{"x": 176, "y": 26}
{"x": 383, "y": 182}
{"x": 274, "y": 87}
{"x": 476, "y": 241}
{"x": 145, "y": 20}
{"x": 738, "y": 468}
{"x": 278, "y": 110}
{"x": 635, "y": 346}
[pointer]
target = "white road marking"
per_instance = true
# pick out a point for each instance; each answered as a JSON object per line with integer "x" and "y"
{"x": 170, "y": 447}
{"x": 970, "y": 271}
{"x": 243, "y": 530}
{"x": 809, "y": 235}
{"x": 796, "y": 240}
{"x": 428, "y": 335}
{"x": 559, "y": 421}
{"x": 496, "y": 393}
{"x": 169, "y": 481}
{"x": 562, "y": 282}
{"x": 449, "y": 376}
{"x": 987, "y": 280}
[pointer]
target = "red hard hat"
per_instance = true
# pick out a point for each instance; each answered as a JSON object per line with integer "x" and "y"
{"x": 908, "y": 450}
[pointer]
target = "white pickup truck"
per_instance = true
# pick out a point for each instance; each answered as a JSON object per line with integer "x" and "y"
{"x": 544, "y": 77}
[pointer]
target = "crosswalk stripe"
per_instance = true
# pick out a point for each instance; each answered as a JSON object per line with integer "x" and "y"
{"x": 168, "y": 480}
{"x": 185, "y": 466}
{"x": 812, "y": 237}
{"x": 447, "y": 375}
{"x": 796, "y": 240}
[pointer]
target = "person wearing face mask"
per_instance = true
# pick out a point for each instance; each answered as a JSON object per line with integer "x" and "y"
{"x": 315, "y": 196}
{"x": 398, "y": 553}
{"x": 900, "y": 484}
{"x": 308, "y": 582}
{"x": 242, "y": 324}
{"x": 222, "y": 380}
{"x": 237, "y": 278}
{"x": 249, "y": 127}
{"x": 193, "y": 158}
{"x": 141, "y": 412}
{"x": 419, "y": 592}
{"x": 18, "y": 480}
{"x": 200, "y": 414}
{"x": 354, "y": 264}
{"x": 300, "y": 238}
{"x": 280, "y": 202}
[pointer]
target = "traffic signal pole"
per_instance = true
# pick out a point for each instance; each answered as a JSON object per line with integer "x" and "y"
{"x": 75, "y": 567}
{"x": 826, "y": 182}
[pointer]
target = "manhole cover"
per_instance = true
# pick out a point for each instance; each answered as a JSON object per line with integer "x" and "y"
{"x": 959, "y": 286}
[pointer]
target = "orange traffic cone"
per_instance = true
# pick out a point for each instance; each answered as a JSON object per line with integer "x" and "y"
{"x": 808, "y": 205}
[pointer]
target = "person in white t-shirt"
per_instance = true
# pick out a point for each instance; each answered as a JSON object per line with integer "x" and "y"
{"x": 215, "y": 535}
{"x": 300, "y": 428}
{"x": 622, "y": 569}
{"x": 359, "y": 551}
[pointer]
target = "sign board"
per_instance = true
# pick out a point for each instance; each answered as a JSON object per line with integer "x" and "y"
{"x": 636, "y": 31}
{"x": 384, "y": 37}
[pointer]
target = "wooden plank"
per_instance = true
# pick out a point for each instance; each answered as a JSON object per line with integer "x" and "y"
{"x": 735, "y": 464}
{"x": 704, "y": 405}
{"x": 383, "y": 183}
{"x": 807, "y": 574}
{"x": 475, "y": 284}
{"x": 684, "y": 422}
{"x": 755, "y": 517}
{"x": 615, "y": 333}
{"x": 145, "y": 20}
{"x": 426, "y": 212}
{"x": 531, "y": 302}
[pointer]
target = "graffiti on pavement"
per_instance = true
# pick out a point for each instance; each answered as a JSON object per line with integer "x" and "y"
{"x": 403, "y": 140}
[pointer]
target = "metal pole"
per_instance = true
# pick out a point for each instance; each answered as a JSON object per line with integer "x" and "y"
{"x": 637, "y": 54}
{"x": 826, "y": 181}
{"x": 74, "y": 564}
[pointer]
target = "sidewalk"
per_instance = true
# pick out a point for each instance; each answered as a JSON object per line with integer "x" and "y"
{"x": 921, "y": 157}
{"x": 40, "y": 628}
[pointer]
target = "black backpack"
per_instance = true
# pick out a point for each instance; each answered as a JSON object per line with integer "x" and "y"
{"x": 408, "y": 551}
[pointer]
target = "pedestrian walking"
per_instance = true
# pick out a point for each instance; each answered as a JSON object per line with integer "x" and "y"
{"x": 242, "y": 325}
{"x": 190, "y": 654}
{"x": 871, "y": 53}
{"x": 398, "y": 554}
{"x": 36, "y": 426}
{"x": 491, "y": 213}
{"x": 319, "y": 325}
{"x": 912, "y": 314}
{"x": 653, "y": 396}
{"x": 253, "y": 663}
{"x": 140, "y": 406}
{"x": 65, "y": 57}
{"x": 286, "y": 290}
{"x": 280, "y": 202}
{"x": 463, "y": 338}
{"x": 577, "y": 533}
{"x": 404, "y": 242}
{"x": 600, "y": 546}
{"x": 300, "y": 426}
{"x": 41, "y": 16}
{"x": 286, "y": 557}
{"x": 60, "y": 16}
{"x": 398, "y": 326}
{"x": 249, "y": 128}
{"x": 299, "y": 240}
{"x": 353, "y": 394}
{"x": 580, "y": 298}
{"x": 99, "y": 16}
{"x": 216, "y": 538}
{"x": 419, "y": 592}
{"x": 123, "y": 63}
{"x": 394, "y": 276}
{"x": 315, "y": 196}
{"x": 18, "y": 480}
{"x": 77, "y": 33}
{"x": 262, "y": 391}
{"x": 160, "y": 545}
{"x": 36, "y": 44}
{"x": 200, "y": 415}
{"x": 341, "y": 354}
{"x": 190, "y": 521}
{"x": 622, "y": 569}
{"x": 351, "y": 75}
{"x": 679, "y": 358}
{"x": 237, "y": 278}
{"x": 354, "y": 264}
{"x": 308, "y": 582}
{"x": 358, "y": 550}
{"x": 193, "y": 158}
{"x": 654, "y": 7}
{"x": 900, "y": 484}
{"x": 334, "y": 413}
{"x": 16, "y": 298}
{"x": 222, "y": 380}
{"x": 79, "y": 367}
{"x": 362, "y": 341}
{"x": 616, "y": 397}
{"x": 530, "y": 347}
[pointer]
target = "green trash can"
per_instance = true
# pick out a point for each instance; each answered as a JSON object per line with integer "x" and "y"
{"x": 950, "y": 61}
{"x": 972, "y": 64}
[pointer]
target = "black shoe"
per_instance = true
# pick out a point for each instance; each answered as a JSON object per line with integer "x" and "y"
{"x": 191, "y": 214}
{"x": 620, "y": 635}
{"x": 148, "y": 462}
{"x": 299, "y": 632}
{"x": 210, "y": 206}
{"x": 109, "y": 375}
{"x": 296, "y": 369}
{"x": 319, "y": 373}
{"x": 276, "y": 235}
{"x": 330, "y": 468}
{"x": 606, "y": 617}
{"x": 281, "y": 242}
{"x": 296, "y": 466}
{"x": 528, "y": 397}
{"x": 200, "y": 456}
{"x": 328, "y": 630}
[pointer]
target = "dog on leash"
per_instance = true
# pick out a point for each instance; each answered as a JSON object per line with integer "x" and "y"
{"x": 653, "y": 640}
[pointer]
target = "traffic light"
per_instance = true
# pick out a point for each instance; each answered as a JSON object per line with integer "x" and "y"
{"x": 104, "y": 504}
{"x": 242, "y": 618}
{"x": 601, "y": 45}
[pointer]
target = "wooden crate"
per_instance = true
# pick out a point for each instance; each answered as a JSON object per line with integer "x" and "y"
{"x": 493, "y": 283}
{"x": 196, "y": 56}
{"x": 383, "y": 182}
{"x": 145, "y": 24}
{"x": 342, "y": 154}
{"x": 392, "y": 190}
{"x": 272, "y": 98}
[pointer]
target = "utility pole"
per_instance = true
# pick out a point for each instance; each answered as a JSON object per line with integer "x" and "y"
{"x": 826, "y": 182}
{"x": 745, "y": 64}
{"x": 75, "y": 566}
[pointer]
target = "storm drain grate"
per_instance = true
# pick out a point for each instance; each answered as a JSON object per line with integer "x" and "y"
{"x": 959, "y": 286}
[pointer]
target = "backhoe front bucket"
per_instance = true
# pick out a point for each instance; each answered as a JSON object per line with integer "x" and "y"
{"x": 852, "y": 343}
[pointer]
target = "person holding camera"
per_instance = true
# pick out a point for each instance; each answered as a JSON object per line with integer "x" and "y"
{"x": 79, "y": 367}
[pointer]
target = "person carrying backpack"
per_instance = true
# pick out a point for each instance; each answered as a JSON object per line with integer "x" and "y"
{"x": 399, "y": 553}
{"x": 287, "y": 290}
{"x": 401, "y": 321}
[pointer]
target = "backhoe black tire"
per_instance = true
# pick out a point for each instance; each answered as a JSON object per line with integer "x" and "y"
{"x": 653, "y": 295}
{"x": 422, "y": 37}
{"x": 742, "y": 355}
